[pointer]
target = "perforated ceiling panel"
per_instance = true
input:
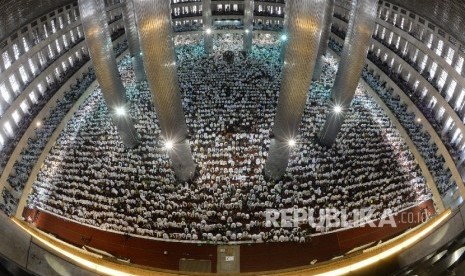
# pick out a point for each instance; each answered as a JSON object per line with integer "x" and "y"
{"x": 447, "y": 14}
{"x": 15, "y": 13}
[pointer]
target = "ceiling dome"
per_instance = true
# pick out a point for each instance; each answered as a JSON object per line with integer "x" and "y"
{"x": 18, "y": 12}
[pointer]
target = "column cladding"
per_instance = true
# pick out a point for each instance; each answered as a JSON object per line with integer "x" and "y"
{"x": 100, "y": 47}
{"x": 353, "y": 57}
{"x": 133, "y": 39}
{"x": 156, "y": 41}
{"x": 303, "y": 23}
{"x": 207, "y": 25}
{"x": 248, "y": 25}
{"x": 325, "y": 31}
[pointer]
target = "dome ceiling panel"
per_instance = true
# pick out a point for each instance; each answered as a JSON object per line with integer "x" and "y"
{"x": 16, "y": 13}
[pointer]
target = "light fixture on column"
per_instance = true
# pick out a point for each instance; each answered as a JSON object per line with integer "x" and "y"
{"x": 120, "y": 111}
{"x": 169, "y": 145}
{"x": 208, "y": 31}
{"x": 292, "y": 143}
{"x": 247, "y": 31}
{"x": 283, "y": 37}
{"x": 337, "y": 109}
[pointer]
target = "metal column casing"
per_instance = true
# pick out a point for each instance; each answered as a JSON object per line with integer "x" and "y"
{"x": 100, "y": 47}
{"x": 133, "y": 39}
{"x": 156, "y": 41}
{"x": 325, "y": 31}
{"x": 353, "y": 57}
{"x": 207, "y": 25}
{"x": 248, "y": 25}
{"x": 303, "y": 23}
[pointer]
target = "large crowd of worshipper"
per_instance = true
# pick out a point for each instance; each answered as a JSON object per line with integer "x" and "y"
{"x": 268, "y": 26}
{"x": 90, "y": 178}
{"x": 194, "y": 26}
{"x": 35, "y": 145}
{"x": 421, "y": 139}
